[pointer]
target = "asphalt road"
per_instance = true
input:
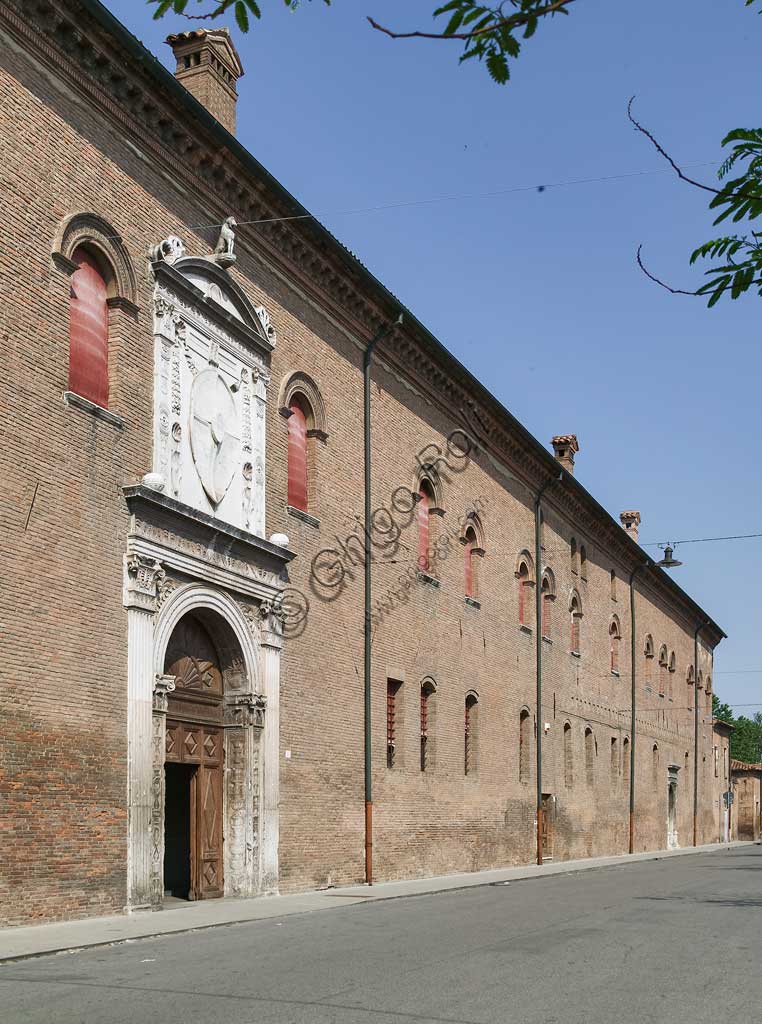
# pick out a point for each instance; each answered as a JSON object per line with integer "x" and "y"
{"x": 664, "y": 941}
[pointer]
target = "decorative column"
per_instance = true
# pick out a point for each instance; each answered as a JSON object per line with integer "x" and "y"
{"x": 162, "y": 687}
{"x": 272, "y": 616}
{"x": 141, "y": 579}
{"x": 244, "y": 722}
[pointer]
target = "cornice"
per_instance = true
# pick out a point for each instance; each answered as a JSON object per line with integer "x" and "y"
{"x": 83, "y": 43}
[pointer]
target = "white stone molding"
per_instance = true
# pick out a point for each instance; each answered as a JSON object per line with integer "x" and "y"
{"x": 142, "y": 578}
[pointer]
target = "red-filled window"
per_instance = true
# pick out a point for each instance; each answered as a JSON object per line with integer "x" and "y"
{"x": 422, "y": 512}
{"x": 88, "y": 331}
{"x": 297, "y": 457}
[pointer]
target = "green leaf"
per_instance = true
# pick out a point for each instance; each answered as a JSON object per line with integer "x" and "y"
{"x": 497, "y": 65}
{"x": 241, "y": 16}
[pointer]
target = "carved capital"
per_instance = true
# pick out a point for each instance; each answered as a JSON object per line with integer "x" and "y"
{"x": 246, "y": 710}
{"x": 143, "y": 578}
{"x": 162, "y": 687}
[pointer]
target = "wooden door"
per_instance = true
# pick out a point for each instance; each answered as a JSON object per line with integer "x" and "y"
{"x": 208, "y": 875}
{"x": 201, "y": 745}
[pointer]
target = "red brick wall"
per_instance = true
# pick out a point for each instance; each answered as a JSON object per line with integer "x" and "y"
{"x": 63, "y": 637}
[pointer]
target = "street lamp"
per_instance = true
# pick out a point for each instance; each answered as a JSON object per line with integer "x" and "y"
{"x": 668, "y": 562}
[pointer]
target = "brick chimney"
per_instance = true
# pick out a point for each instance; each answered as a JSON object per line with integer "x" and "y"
{"x": 208, "y": 66}
{"x": 630, "y": 521}
{"x": 565, "y": 447}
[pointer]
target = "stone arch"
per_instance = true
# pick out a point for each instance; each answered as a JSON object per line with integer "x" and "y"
{"x": 298, "y": 385}
{"x": 92, "y": 232}
{"x": 229, "y": 629}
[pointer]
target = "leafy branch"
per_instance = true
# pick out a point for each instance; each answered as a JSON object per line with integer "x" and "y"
{"x": 488, "y": 32}
{"x": 241, "y": 9}
{"x": 740, "y": 199}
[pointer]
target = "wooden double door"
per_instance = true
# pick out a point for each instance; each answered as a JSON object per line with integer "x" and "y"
{"x": 194, "y": 762}
{"x": 193, "y": 854}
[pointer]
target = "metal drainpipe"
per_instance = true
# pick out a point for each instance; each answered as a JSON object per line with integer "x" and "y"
{"x": 633, "y": 663}
{"x": 367, "y": 356}
{"x": 696, "y": 730}
{"x": 538, "y": 645}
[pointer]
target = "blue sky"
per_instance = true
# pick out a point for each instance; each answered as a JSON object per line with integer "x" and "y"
{"x": 538, "y": 292}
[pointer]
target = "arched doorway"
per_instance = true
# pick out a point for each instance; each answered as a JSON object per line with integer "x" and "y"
{"x": 194, "y": 760}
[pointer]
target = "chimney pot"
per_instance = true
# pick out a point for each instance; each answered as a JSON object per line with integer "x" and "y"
{"x": 208, "y": 66}
{"x": 630, "y": 521}
{"x": 565, "y": 447}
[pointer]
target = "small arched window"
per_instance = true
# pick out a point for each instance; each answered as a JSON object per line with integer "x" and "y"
{"x": 526, "y": 589}
{"x": 525, "y": 752}
{"x": 423, "y": 515}
{"x": 655, "y": 768}
{"x": 671, "y": 670}
{"x": 574, "y": 564}
{"x": 470, "y": 734}
{"x": 88, "y": 329}
{"x": 612, "y": 584}
{"x": 662, "y": 670}
{"x": 471, "y": 568}
{"x": 575, "y": 609}
{"x": 648, "y": 651}
{"x": 427, "y": 714}
{"x": 615, "y": 638}
{"x": 614, "y": 761}
{"x": 589, "y": 756}
{"x": 568, "y": 756}
{"x": 548, "y": 597}
{"x": 298, "y": 487}
{"x": 626, "y": 759}
{"x": 583, "y": 562}
{"x": 709, "y": 696}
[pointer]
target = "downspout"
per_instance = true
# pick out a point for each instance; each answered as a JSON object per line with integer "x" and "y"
{"x": 366, "y": 361}
{"x": 538, "y": 645}
{"x": 696, "y": 729}
{"x": 633, "y": 663}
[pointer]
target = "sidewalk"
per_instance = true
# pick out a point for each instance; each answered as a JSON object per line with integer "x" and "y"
{"x": 37, "y": 940}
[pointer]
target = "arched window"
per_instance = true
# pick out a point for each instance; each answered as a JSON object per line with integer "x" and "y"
{"x": 614, "y": 761}
{"x": 648, "y": 651}
{"x": 655, "y": 768}
{"x": 548, "y": 597}
{"x": 301, "y": 403}
{"x": 583, "y": 562}
{"x": 626, "y": 760}
{"x": 615, "y": 638}
{"x": 568, "y": 756}
{"x": 612, "y": 584}
{"x": 470, "y": 734}
{"x": 575, "y": 610}
{"x": 524, "y": 576}
{"x": 88, "y": 328}
{"x": 574, "y": 564}
{"x": 423, "y": 515}
{"x": 662, "y": 670}
{"x": 589, "y": 756}
{"x": 298, "y": 490}
{"x": 670, "y": 678}
{"x": 393, "y": 688}
{"x": 709, "y": 696}
{"x": 102, "y": 291}
{"x": 525, "y": 752}
{"x": 427, "y": 715}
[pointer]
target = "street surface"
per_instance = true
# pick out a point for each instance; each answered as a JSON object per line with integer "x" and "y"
{"x": 659, "y": 941}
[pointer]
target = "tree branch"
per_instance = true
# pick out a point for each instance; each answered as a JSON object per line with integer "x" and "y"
{"x": 680, "y": 291}
{"x": 513, "y": 21}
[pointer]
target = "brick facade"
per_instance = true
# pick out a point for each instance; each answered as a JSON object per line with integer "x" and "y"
{"x": 98, "y": 135}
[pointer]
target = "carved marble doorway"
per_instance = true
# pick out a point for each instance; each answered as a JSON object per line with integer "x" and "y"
{"x": 193, "y": 814}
